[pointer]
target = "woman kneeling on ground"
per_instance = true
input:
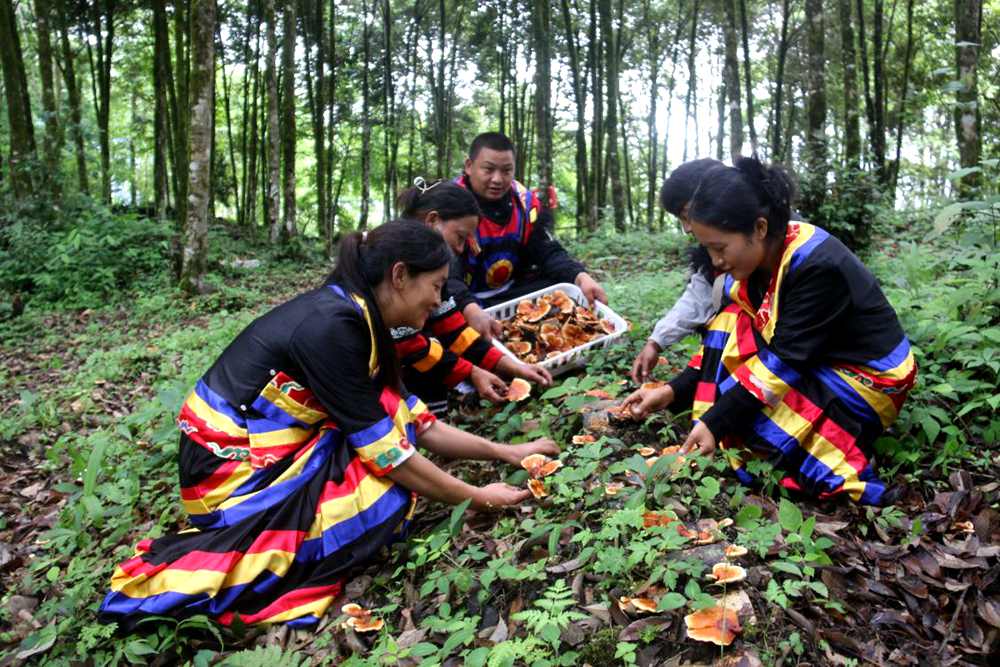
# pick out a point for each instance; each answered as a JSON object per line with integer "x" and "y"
{"x": 298, "y": 457}
{"x": 806, "y": 364}
{"x": 447, "y": 351}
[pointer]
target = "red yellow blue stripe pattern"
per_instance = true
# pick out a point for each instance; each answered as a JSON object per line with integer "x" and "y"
{"x": 814, "y": 421}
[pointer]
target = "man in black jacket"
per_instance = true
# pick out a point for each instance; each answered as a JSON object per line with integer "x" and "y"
{"x": 513, "y": 251}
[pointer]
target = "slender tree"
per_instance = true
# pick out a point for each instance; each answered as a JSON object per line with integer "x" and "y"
{"x": 52, "y": 141}
{"x": 731, "y": 77}
{"x": 272, "y": 198}
{"x": 366, "y": 126}
{"x": 968, "y": 116}
{"x": 903, "y": 93}
{"x": 104, "y": 38}
{"x": 747, "y": 75}
{"x": 161, "y": 148}
{"x": 288, "y": 135}
{"x": 541, "y": 27}
{"x": 579, "y": 86}
{"x": 848, "y": 54}
{"x": 779, "y": 82}
{"x": 814, "y": 185}
{"x": 202, "y": 90}
{"x": 610, "y": 36}
{"x": 22, "y": 134}
{"x": 73, "y": 96}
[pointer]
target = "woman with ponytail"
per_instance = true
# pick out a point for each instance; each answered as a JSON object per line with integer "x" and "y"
{"x": 298, "y": 459}
{"x": 806, "y": 364}
{"x": 447, "y": 351}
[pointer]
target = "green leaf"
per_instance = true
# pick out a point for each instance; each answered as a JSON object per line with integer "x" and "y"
{"x": 99, "y": 442}
{"x": 747, "y": 514}
{"x": 789, "y": 515}
{"x": 477, "y": 657}
{"x": 931, "y": 427}
{"x": 455, "y": 522}
{"x": 786, "y": 567}
{"x": 671, "y": 601}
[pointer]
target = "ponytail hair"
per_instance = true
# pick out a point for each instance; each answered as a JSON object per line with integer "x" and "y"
{"x": 364, "y": 260}
{"x": 450, "y": 200}
{"x": 732, "y": 198}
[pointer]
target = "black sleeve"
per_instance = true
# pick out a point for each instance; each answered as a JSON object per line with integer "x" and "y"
{"x": 333, "y": 350}
{"x": 811, "y": 305}
{"x": 543, "y": 250}
{"x": 684, "y": 386}
{"x": 456, "y": 287}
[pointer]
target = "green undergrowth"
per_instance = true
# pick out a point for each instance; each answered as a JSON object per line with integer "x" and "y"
{"x": 116, "y": 471}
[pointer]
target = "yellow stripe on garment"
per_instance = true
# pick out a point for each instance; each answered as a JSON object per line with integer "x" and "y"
{"x": 279, "y": 438}
{"x": 465, "y": 339}
{"x": 213, "y": 418}
{"x": 292, "y": 471}
{"x": 699, "y": 408}
{"x": 373, "y": 357}
{"x": 211, "y": 500}
{"x": 806, "y": 232}
{"x": 278, "y": 561}
{"x": 724, "y": 321}
{"x": 816, "y": 445}
{"x": 337, "y": 510}
{"x": 879, "y": 402}
{"x": 773, "y": 387}
{"x": 433, "y": 356}
{"x": 316, "y": 608}
{"x": 292, "y": 407}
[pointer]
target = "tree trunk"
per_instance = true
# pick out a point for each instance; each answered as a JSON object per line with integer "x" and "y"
{"x": 52, "y": 142}
{"x": 161, "y": 60}
{"x": 692, "y": 75}
{"x": 652, "y": 136}
{"x": 73, "y": 94}
{"x": 541, "y": 27}
{"x": 315, "y": 32}
{"x": 272, "y": 200}
{"x": 852, "y": 125}
{"x": 178, "y": 88}
{"x": 814, "y": 185}
{"x": 904, "y": 89}
{"x": 731, "y": 76}
{"x": 202, "y": 91}
{"x": 747, "y": 79}
{"x": 878, "y": 130}
{"x": 22, "y": 133}
{"x": 629, "y": 204}
{"x": 253, "y": 151}
{"x": 288, "y": 120}
{"x": 610, "y": 40}
{"x": 132, "y": 171}
{"x": 580, "y": 100}
{"x": 104, "y": 34}
{"x": 597, "y": 121}
{"x": 779, "y": 82}
{"x": 366, "y": 127}
{"x": 968, "y": 117}
{"x": 227, "y": 105}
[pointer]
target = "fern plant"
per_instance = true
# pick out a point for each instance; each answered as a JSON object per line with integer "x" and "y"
{"x": 549, "y": 616}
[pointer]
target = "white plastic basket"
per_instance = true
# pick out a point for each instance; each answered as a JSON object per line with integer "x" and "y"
{"x": 572, "y": 358}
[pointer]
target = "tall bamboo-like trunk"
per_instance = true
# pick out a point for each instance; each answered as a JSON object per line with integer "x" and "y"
{"x": 597, "y": 175}
{"x": 852, "y": 124}
{"x": 779, "y": 83}
{"x": 315, "y": 32}
{"x": 747, "y": 78}
{"x": 541, "y": 26}
{"x": 52, "y": 141}
{"x": 161, "y": 63}
{"x": 814, "y": 186}
{"x": 904, "y": 90}
{"x": 227, "y": 107}
{"x": 731, "y": 77}
{"x": 366, "y": 127}
{"x": 104, "y": 34}
{"x": 253, "y": 150}
{"x": 609, "y": 37}
{"x": 580, "y": 100}
{"x": 272, "y": 199}
{"x": 22, "y": 134}
{"x": 968, "y": 117}
{"x": 202, "y": 90}
{"x": 692, "y": 75}
{"x": 878, "y": 81}
{"x": 288, "y": 120}
{"x": 178, "y": 89}
{"x": 653, "y": 51}
{"x": 73, "y": 95}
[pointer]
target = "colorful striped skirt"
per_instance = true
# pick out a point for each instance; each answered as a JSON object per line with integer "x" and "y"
{"x": 816, "y": 425}
{"x": 268, "y": 544}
